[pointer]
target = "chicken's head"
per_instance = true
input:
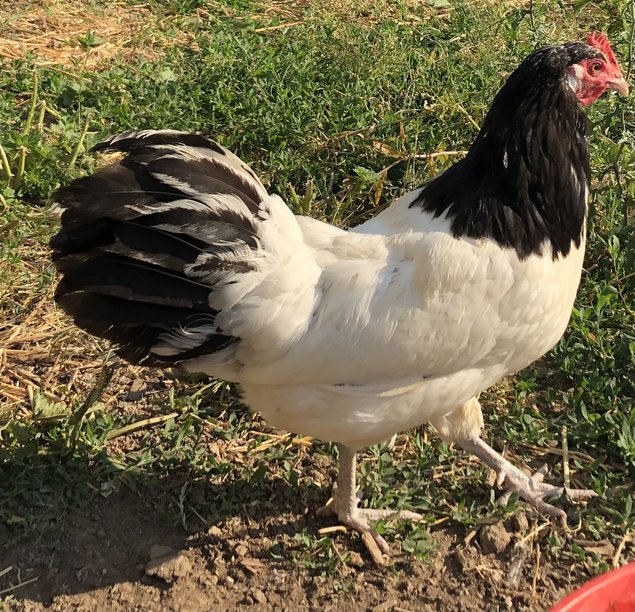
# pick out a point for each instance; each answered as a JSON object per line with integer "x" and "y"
{"x": 591, "y": 77}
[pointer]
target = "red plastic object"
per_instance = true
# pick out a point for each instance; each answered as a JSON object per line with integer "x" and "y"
{"x": 610, "y": 592}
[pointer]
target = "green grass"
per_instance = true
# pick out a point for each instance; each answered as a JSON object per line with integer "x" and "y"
{"x": 331, "y": 113}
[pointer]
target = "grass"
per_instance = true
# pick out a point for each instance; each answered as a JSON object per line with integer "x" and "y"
{"x": 336, "y": 111}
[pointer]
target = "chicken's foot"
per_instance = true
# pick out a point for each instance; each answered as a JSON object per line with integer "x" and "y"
{"x": 345, "y": 500}
{"x": 530, "y": 488}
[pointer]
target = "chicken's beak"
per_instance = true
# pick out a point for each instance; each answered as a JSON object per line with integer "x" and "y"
{"x": 619, "y": 85}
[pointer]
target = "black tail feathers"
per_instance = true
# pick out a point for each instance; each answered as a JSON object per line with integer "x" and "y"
{"x": 131, "y": 232}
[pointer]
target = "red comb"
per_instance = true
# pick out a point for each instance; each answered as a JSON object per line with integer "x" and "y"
{"x": 600, "y": 41}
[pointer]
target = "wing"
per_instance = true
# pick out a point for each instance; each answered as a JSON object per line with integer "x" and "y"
{"x": 394, "y": 310}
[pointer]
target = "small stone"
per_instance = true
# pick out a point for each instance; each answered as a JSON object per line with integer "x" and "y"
{"x": 462, "y": 559}
{"x": 259, "y": 596}
{"x": 355, "y": 559}
{"x": 520, "y": 523}
{"x": 220, "y": 569}
{"x": 214, "y": 531}
{"x": 241, "y": 550}
{"x": 253, "y": 566}
{"x": 279, "y": 577}
{"x": 137, "y": 390}
{"x": 494, "y": 538}
{"x": 169, "y": 567}
{"x": 229, "y": 580}
{"x": 213, "y": 580}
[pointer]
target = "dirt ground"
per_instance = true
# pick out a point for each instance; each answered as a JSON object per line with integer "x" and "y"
{"x": 122, "y": 556}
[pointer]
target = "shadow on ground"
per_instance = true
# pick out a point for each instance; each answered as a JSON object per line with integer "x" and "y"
{"x": 89, "y": 545}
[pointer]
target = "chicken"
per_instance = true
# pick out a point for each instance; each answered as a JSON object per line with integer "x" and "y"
{"x": 180, "y": 256}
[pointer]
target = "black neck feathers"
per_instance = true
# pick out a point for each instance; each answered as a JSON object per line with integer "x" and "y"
{"x": 525, "y": 178}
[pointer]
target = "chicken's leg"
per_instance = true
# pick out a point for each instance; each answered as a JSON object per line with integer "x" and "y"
{"x": 345, "y": 501}
{"x": 530, "y": 488}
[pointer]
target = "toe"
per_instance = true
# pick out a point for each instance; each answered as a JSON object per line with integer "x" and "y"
{"x": 580, "y": 493}
{"x": 372, "y": 514}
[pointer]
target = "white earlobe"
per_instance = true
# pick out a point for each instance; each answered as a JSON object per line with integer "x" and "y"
{"x": 574, "y": 77}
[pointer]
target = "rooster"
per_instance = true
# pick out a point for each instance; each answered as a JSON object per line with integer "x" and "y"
{"x": 180, "y": 256}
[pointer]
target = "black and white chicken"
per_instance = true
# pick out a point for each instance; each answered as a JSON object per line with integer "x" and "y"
{"x": 180, "y": 256}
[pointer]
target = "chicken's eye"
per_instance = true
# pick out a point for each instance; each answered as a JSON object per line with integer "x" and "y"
{"x": 594, "y": 68}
